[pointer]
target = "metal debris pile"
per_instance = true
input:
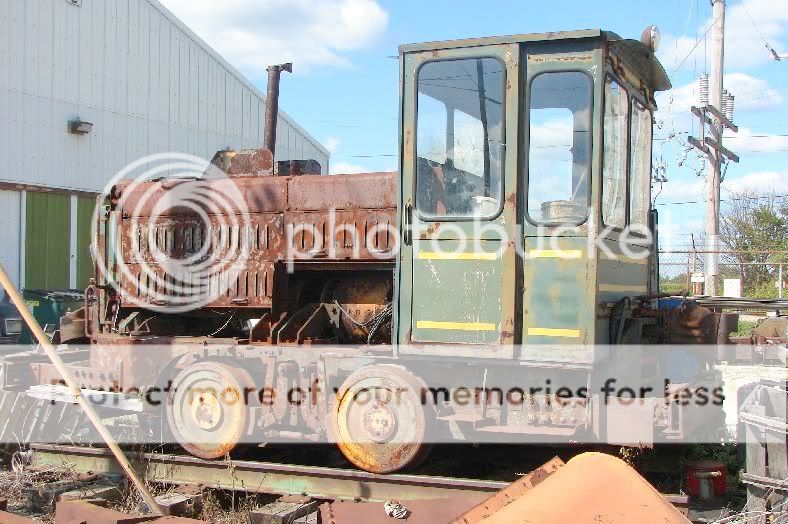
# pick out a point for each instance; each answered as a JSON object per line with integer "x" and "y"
{"x": 602, "y": 487}
{"x": 592, "y": 487}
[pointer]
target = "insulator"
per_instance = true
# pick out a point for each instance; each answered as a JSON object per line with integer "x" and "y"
{"x": 729, "y": 106}
{"x": 703, "y": 89}
{"x": 724, "y": 103}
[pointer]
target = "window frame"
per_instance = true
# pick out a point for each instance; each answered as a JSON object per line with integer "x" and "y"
{"x": 414, "y": 166}
{"x": 633, "y": 96}
{"x": 526, "y": 166}
{"x": 634, "y": 99}
{"x": 627, "y": 161}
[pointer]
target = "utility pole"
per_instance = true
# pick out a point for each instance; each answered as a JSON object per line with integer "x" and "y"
{"x": 712, "y": 116}
{"x": 713, "y": 172}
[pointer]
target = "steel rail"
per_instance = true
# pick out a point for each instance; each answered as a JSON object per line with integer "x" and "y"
{"x": 264, "y": 477}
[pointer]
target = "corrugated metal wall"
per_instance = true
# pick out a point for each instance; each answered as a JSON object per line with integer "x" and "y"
{"x": 145, "y": 81}
{"x": 85, "y": 207}
{"x": 47, "y": 232}
{"x": 10, "y": 233}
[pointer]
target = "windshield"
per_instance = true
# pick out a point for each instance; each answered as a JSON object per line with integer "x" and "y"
{"x": 559, "y": 146}
{"x": 459, "y": 134}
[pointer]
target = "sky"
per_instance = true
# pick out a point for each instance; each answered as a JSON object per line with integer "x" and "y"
{"x": 345, "y": 86}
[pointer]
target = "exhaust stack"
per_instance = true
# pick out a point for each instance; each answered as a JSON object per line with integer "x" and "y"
{"x": 272, "y": 105}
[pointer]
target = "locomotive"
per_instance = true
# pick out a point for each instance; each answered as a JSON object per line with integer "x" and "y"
{"x": 394, "y": 281}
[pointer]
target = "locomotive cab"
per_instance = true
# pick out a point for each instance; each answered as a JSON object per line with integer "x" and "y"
{"x": 523, "y": 211}
{"x": 525, "y": 192}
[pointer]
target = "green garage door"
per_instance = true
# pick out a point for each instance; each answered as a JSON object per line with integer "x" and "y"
{"x": 85, "y": 206}
{"x": 47, "y": 232}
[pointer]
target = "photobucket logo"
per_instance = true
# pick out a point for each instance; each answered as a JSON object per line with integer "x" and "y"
{"x": 340, "y": 236}
{"x": 183, "y": 228}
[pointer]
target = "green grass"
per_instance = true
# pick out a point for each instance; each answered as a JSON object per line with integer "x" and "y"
{"x": 745, "y": 328}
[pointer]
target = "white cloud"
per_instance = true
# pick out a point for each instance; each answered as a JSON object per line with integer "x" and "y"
{"x": 750, "y": 94}
{"x": 747, "y": 141}
{"x": 332, "y": 144}
{"x": 344, "y": 168}
{"x": 678, "y": 190}
{"x": 761, "y": 182}
{"x": 253, "y": 34}
{"x": 744, "y": 46}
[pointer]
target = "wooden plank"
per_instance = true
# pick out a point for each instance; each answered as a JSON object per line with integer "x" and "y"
{"x": 777, "y": 446}
{"x": 698, "y": 144}
{"x": 756, "y": 505}
{"x": 727, "y": 153}
{"x": 7, "y": 402}
{"x": 756, "y": 451}
{"x": 284, "y": 510}
{"x": 722, "y": 118}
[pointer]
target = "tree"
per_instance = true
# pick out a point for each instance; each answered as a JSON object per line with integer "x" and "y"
{"x": 750, "y": 222}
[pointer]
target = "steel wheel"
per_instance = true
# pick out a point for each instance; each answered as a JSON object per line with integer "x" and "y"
{"x": 206, "y": 409}
{"x": 380, "y": 423}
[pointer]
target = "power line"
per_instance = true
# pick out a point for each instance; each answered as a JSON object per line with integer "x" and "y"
{"x": 755, "y": 136}
{"x": 697, "y": 42}
{"x": 778, "y": 135}
{"x": 781, "y": 87}
{"x": 722, "y": 200}
{"x": 766, "y": 42}
{"x": 364, "y": 156}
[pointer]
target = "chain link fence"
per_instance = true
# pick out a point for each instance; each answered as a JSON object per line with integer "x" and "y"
{"x": 754, "y": 274}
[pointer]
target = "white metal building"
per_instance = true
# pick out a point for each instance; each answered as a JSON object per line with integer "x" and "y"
{"x": 145, "y": 81}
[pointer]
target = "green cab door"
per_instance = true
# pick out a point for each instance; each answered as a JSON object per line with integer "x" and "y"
{"x": 457, "y": 263}
{"x": 558, "y": 168}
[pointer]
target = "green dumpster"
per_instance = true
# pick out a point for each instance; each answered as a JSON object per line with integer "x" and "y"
{"x": 48, "y": 305}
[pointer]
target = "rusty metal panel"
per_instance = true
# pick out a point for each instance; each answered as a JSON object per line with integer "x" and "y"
{"x": 426, "y": 511}
{"x": 182, "y": 237}
{"x": 357, "y": 235}
{"x": 10, "y": 518}
{"x": 358, "y": 191}
{"x": 260, "y": 224}
{"x": 616, "y": 493}
{"x": 261, "y": 194}
{"x": 511, "y": 492}
{"x": 69, "y": 512}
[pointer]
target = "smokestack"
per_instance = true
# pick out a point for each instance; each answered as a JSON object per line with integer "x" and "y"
{"x": 272, "y": 105}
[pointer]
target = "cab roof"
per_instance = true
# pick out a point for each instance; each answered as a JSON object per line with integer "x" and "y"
{"x": 635, "y": 53}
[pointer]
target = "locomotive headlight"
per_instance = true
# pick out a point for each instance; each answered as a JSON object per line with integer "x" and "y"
{"x": 651, "y": 37}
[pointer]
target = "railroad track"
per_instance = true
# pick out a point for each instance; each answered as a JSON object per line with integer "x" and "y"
{"x": 264, "y": 477}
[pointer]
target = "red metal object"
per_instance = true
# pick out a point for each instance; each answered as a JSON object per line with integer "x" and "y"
{"x": 83, "y": 512}
{"x": 705, "y": 479}
{"x": 10, "y": 518}
{"x": 70, "y": 512}
{"x": 246, "y": 162}
{"x": 592, "y": 487}
{"x": 510, "y": 493}
{"x": 426, "y": 511}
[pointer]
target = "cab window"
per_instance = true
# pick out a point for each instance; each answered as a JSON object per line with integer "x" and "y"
{"x": 459, "y": 138}
{"x": 559, "y": 145}
{"x": 614, "y": 166}
{"x": 640, "y": 168}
